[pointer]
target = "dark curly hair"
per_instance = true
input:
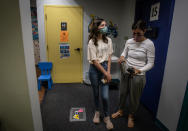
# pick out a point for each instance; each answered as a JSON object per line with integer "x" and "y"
{"x": 94, "y": 31}
{"x": 140, "y": 24}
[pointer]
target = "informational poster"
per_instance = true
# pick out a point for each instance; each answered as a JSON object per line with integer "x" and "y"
{"x": 64, "y": 36}
{"x": 77, "y": 114}
{"x": 64, "y": 50}
{"x": 63, "y": 26}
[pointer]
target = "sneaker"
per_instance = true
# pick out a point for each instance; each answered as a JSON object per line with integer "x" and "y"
{"x": 108, "y": 122}
{"x": 96, "y": 118}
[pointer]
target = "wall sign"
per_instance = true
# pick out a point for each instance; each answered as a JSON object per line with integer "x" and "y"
{"x": 154, "y": 13}
{"x": 64, "y": 36}
{"x": 64, "y": 50}
{"x": 63, "y": 25}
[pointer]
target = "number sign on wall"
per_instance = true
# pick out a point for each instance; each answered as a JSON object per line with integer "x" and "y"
{"x": 154, "y": 14}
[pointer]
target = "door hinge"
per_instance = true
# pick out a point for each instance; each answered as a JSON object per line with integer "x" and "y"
{"x": 45, "y": 16}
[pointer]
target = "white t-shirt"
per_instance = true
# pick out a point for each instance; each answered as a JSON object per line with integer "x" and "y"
{"x": 101, "y": 52}
{"x": 140, "y": 55}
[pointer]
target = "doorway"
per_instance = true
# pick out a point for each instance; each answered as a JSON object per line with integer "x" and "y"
{"x": 64, "y": 44}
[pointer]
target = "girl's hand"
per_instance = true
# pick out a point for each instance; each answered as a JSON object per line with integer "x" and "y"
{"x": 108, "y": 77}
{"x": 121, "y": 59}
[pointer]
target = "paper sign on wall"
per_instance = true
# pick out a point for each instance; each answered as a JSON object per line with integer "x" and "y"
{"x": 64, "y": 26}
{"x": 154, "y": 14}
{"x": 64, "y": 50}
{"x": 64, "y": 36}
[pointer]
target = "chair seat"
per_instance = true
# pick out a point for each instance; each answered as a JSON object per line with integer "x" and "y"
{"x": 44, "y": 77}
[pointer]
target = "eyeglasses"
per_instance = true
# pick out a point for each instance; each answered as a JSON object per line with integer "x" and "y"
{"x": 137, "y": 34}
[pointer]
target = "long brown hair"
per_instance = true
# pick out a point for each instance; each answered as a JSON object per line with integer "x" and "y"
{"x": 94, "y": 31}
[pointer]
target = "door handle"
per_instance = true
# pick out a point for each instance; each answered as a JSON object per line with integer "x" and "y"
{"x": 77, "y": 49}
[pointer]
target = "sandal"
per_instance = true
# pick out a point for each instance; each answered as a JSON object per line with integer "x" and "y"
{"x": 119, "y": 113}
{"x": 130, "y": 122}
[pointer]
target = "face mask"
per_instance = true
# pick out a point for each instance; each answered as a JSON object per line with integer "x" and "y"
{"x": 104, "y": 30}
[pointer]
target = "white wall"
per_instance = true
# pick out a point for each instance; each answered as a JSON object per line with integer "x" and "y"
{"x": 109, "y": 10}
{"x": 176, "y": 70}
{"x": 19, "y": 104}
{"x": 126, "y": 21}
{"x": 30, "y": 63}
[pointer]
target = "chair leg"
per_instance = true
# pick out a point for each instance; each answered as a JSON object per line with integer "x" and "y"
{"x": 49, "y": 84}
{"x": 51, "y": 81}
{"x": 38, "y": 84}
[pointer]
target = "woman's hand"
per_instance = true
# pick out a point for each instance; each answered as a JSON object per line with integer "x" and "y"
{"x": 121, "y": 59}
{"x": 136, "y": 71}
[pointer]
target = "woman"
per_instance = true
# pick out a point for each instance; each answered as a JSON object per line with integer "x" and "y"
{"x": 138, "y": 54}
{"x": 99, "y": 56}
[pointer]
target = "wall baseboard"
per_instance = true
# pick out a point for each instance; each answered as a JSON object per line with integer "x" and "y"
{"x": 160, "y": 125}
{"x": 182, "y": 124}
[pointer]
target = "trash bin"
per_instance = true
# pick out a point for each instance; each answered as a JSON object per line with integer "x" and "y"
{"x": 115, "y": 72}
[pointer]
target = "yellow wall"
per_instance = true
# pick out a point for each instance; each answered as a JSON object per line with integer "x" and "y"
{"x": 15, "y": 109}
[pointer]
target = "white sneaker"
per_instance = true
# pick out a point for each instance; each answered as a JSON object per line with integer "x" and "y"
{"x": 108, "y": 122}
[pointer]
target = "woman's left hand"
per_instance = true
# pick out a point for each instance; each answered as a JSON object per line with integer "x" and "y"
{"x": 136, "y": 71}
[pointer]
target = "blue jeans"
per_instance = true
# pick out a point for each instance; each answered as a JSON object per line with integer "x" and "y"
{"x": 95, "y": 77}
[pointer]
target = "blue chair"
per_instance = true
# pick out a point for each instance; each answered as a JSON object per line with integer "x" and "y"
{"x": 45, "y": 68}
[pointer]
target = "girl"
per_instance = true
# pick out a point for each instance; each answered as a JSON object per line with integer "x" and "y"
{"x": 99, "y": 57}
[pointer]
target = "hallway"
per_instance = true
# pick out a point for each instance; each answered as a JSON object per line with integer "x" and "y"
{"x": 57, "y": 103}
